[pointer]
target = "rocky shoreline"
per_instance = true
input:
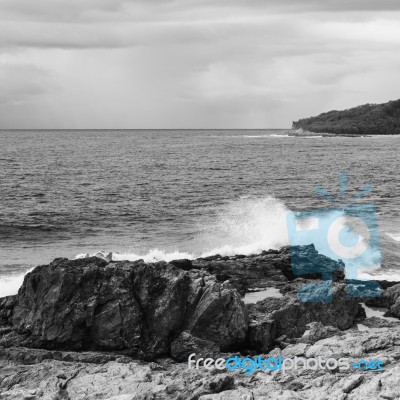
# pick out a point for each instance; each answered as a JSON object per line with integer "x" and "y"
{"x": 98, "y": 329}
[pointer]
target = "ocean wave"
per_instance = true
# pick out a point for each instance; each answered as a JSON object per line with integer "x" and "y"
{"x": 266, "y": 136}
{"x": 277, "y": 135}
{"x": 245, "y": 226}
{"x": 257, "y": 136}
{"x": 394, "y": 236}
{"x": 9, "y": 285}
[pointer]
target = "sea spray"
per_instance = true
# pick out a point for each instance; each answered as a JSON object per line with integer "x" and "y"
{"x": 9, "y": 284}
{"x": 245, "y": 226}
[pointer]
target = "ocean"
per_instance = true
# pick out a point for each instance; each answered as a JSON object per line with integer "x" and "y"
{"x": 167, "y": 194}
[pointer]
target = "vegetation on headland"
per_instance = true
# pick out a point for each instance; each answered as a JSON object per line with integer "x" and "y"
{"x": 368, "y": 119}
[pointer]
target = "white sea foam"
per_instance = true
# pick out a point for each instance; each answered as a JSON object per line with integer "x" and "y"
{"x": 246, "y": 226}
{"x": 153, "y": 256}
{"x": 277, "y": 135}
{"x": 9, "y": 285}
{"x": 394, "y": 236}
{"x": 257, "y": 136}
{"x": 266, "y": 136}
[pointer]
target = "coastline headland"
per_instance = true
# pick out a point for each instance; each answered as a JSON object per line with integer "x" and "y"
{"x": 363, "y": 120}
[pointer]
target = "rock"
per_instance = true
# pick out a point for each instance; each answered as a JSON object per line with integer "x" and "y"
{"x": 262, "y": 332}
{"x": 89, "y": 304}
{"x": 218, "y": 313}
{"x": 99, "y": 323}
{"x": 361, "y": 315}
{"x": 184, "y": 264}
{"x": 7, "y": 305}
{"x": 316, "y": 331}
{"x": 390, "y": 298}
{"x": 305, "y": 261}
{"x": 353, "y": 383}
{"x": 246, "y": 272}
{"x": 272, "y": 268}
{"x": 104, "y": 255}
{"x": 292, "y": 317}
{"x": 375, "y": 322}
{"x": 355, "y": 344}
{"x": 186, "y": 344}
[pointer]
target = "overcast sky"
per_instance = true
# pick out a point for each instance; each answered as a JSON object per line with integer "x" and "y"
{"x": 193, "y": 63}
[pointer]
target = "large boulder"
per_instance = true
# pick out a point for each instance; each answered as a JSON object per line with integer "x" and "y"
{"x": 94, "y": 305}
{"x": 287, "y": 316}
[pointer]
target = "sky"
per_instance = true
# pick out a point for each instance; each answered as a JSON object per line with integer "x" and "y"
{"x": 180, "y": 64}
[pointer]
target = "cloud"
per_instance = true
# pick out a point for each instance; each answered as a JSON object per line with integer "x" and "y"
{"x": 91, "y": 10}
{"x": 57, "y": 10}
{"x": 20, "y": 83}
{"x": 198, "y": 63}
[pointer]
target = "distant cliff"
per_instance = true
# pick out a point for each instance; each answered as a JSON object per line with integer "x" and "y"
{"x": 368, "y": 119}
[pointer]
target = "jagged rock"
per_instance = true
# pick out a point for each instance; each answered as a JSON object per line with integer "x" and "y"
{"x": 246, "y": 272}
{"x": 272, "y": 268}
{"x": 390, "y": 298}
{"x": 104, "y": 255}
{"x": 186, "y": 344}
{"x": 292, "y": 317}
{"x": 262, "y": 333}
{"x": 305, "y": 261}
{"x": 184, "y": 264}
{"x": 91, "y": 304}
{"x": 7, "y": 305}
{"x": 316, "y": 331}
{"x": 217, "y": 313}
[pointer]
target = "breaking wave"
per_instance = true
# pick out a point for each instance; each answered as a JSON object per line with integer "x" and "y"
{"x": 10, "y": 284}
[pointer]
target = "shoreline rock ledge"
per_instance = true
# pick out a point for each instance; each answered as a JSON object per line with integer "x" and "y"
{"x": 93, "y": 328}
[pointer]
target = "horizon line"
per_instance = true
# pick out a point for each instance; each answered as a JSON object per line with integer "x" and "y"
{"x": 142, "y": 129}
